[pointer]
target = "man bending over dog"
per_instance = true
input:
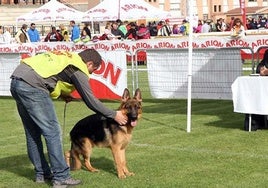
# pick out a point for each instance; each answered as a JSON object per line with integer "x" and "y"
{"x": 34, "y": 82}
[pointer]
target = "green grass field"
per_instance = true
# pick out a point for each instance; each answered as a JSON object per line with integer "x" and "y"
{"x": 216, "y": 153}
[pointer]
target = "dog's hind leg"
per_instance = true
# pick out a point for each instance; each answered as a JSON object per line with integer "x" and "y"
{"x": 67, "y": 156}
{"x": 87, "y": 149}
{"x": 75, "y": 160}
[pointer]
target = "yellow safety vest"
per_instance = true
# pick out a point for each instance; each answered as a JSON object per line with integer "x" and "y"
{"x": 51, "y": 63}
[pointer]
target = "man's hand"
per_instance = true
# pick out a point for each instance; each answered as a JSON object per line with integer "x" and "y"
{"x": 120, "y": 118}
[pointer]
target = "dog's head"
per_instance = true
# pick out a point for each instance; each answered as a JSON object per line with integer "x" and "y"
{"x": 132, "y": 106}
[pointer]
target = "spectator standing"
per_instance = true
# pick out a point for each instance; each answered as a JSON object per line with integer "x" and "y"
{"x": 132, "y": 32}
{"x": 262, "y": 22}
{"x": 223, "y": 25}
{"x": 107, "y": 35}
{"x": 253, "y": 24}
{"x": 116, "y": 32}
{"x": 22, "y": 35}
{"x": 231, "y": 24}
{"x": 153, "y": 28}
{"x": 64, "y": 32}
{"x": 122, "y": 26}
{"x": 143, "y": 32}
{"x": 186, "y": 27}
{"x": 2, "y": 38}
{"x": 247, "y": 23}
{"x": 84, "y": 36}
{"x": 238, "y": 29}
{"x": 75, "y": 35}
{"x": 86, "y": 28}
{"x": 218, "y": 25}
{"x": 165, "y": 29}
{"x": 206, "y": 27}
{"x": 198, "y": 29}
{"x": 33, "y": 33}
{"x": 7, "y": 35}
{"x": 175, "y": 29}
{"x": 53, "y": 36}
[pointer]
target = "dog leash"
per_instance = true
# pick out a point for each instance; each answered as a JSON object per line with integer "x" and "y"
{"x": 64, "y": 123}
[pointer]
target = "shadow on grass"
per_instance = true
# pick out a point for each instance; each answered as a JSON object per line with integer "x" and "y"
{"x": 21, "y": 166}
{"x": 18, "y": 165}
{"x": 103, "y": 164}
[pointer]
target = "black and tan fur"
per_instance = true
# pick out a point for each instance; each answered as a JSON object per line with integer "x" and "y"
{"x": 95, "y": 130}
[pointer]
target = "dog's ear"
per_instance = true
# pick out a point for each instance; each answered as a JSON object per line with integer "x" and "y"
{"x": 126, "y": 95}
{"x": 137, "y": 95}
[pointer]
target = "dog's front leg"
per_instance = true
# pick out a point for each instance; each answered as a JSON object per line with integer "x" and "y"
{"x": 124, "y": 163}
{"x": 117, "y": 154}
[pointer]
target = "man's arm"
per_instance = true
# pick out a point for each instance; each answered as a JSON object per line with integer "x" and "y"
{"x": 80, "y": 81}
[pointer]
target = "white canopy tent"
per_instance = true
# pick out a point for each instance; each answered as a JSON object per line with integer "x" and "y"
{"x": 51, "y": 12}
{"x": 124, "y": 10}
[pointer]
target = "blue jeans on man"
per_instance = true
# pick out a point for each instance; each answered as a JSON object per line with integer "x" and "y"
{"x": 38, "y": 115}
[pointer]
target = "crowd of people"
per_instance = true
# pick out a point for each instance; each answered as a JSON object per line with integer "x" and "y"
{"x": 31, "y": 34}
{"x": 126, "y": 30}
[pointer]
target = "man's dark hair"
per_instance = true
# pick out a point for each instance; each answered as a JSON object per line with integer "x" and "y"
{"x": 91, "y": 55}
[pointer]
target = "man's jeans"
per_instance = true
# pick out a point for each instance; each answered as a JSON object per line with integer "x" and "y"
{"x": 38, "y": 116}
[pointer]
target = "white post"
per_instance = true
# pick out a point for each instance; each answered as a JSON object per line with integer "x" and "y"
{"x": 190, "y": 60}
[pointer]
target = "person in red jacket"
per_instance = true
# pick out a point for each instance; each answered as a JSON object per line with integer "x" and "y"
{"x": 54, "y": 36}
{"x": 143, "y": 32}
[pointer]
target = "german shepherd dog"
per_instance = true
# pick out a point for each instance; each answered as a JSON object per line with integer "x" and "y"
{"x": 96, "y": 130}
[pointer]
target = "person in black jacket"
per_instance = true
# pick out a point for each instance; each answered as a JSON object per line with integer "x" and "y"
{"x": 116, "y": 32}
{"x": 262, "y": 67}
{"x": 132, "y": 31}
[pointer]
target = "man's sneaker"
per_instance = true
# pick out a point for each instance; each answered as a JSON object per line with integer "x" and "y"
{"x": 66, "y": 183}
{"x": 43, "y": 179}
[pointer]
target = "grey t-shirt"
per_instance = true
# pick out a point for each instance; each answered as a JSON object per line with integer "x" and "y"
{"x": 70, "y": 75}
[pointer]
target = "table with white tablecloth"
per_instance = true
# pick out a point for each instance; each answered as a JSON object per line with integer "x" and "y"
{"x": 250, "y": 95}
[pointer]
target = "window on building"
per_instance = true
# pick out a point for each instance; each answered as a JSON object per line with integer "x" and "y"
{"x": 215, "y": 8}
{"x": 219, "y": 8}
